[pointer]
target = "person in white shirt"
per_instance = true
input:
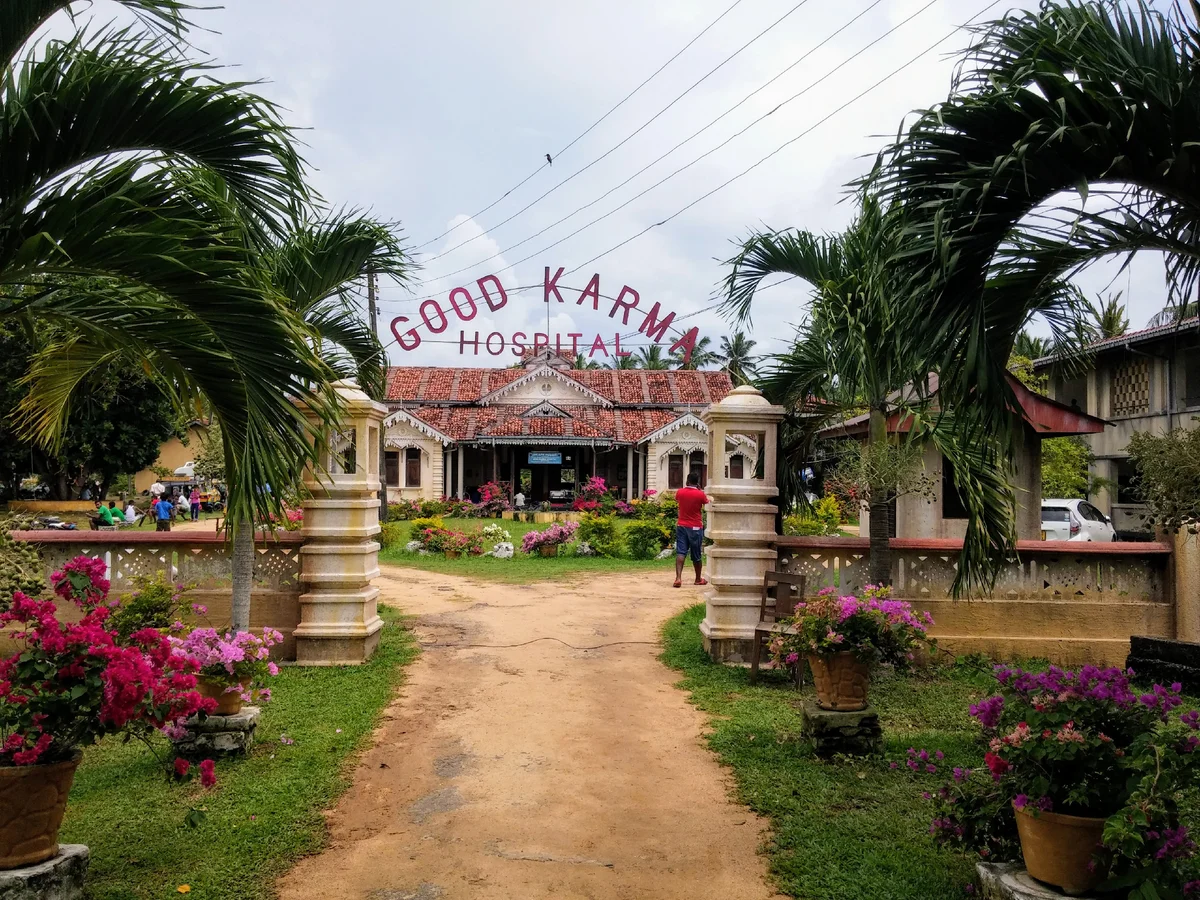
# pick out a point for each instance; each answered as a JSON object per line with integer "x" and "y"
{"x": 519, "y": 500}
{"x": 182, "y": 507}
{"x": 131, "y": 513}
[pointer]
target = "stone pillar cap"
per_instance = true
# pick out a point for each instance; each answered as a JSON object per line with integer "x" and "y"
{"x": 744, "y": 400}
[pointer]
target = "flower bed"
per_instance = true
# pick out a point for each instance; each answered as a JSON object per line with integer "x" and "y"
{"x": 557, "y": 534}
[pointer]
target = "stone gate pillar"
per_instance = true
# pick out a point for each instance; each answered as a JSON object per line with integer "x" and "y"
{"x": 741, "y": 521}
{"x": 339, "y": 624}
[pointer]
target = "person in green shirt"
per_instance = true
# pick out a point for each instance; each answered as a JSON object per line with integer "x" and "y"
{"x": 109, "y": 515}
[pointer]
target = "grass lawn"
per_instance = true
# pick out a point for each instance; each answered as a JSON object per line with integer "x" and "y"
{"x": 265, "y": 811}
{"x": 522, "y": 567}
{"x": 845, "y": 829}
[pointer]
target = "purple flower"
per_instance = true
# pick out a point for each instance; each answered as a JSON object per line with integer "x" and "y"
{"x": 1020, "y": 801}
{"x": 893, "y": 765}
{"x": 931, "y": 768}
{"x": 1175, "y": 844}
{"x": 1045, "y": 804}
{"x": 939, "y": 755}
{"x": 989, "y": 711}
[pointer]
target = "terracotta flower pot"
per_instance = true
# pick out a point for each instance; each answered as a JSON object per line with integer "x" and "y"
{"x": 548, "y": 549}
{"x": 453, "y": 554}
{"x": 32, "y": 802}
{"x": 228, "y": 703}
{"x": 1057, "y": 849}
{"x": 841, "y": 681}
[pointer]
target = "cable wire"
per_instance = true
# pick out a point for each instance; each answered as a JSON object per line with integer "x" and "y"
{"x": 617, "y": 146}
{"x": 584, "y": 133}
{"x": 686, "y": 140}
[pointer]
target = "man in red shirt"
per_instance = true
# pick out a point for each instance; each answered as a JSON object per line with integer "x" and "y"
{"x": 689, "y": 528}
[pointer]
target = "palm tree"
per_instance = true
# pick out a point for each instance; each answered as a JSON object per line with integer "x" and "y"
{"x": 1031, "y": 347}
{"x": 701, "y": 356}
{"x": 313, "y": 270}
{"x": 858, "y": 350}
{"x": 737, "y": 357}
{"x": 650, "y": 357}
{"x": 1109, "y": 318}
{"x": 106, "y": 228}
{"x": 623, "y": 362}
{"x": 1084, "y": 97}
{"x": 1172, "y": 314}
{"x": 582, "y": 362}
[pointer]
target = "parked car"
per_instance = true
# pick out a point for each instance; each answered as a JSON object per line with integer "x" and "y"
{"x": 1075, "y": 520}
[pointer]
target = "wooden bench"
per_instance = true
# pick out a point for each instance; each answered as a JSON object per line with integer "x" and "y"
{"x": 788, "y": 591}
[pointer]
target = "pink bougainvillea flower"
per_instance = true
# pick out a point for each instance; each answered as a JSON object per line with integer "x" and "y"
{"x": 208, "y": 775}
{"x": 182, "y": 767}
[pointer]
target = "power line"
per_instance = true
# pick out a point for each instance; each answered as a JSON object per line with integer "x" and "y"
{"x": 686, "y": 140}
{"x": 584, "y": 133}
{"x": 620, "y": 144}
{"x": 787, "y": 143}
{"x": 828, "y": 74}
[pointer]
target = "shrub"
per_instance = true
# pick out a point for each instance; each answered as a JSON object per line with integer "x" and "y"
{"x": 558, "y": 533}
{"x": 391, "y": 534}
{"x": 593, "y": 489}
{"x": 419, "y": 525}
{"x": 801, "y": 525}
{"x": 828, "y": 511}
{"x": 1080, "y": 743}
{"x": 430, "y": 508}
{"x": 496, "y": 534}
{"x": 494, "y": 498}
{"x": 623, "y": 509}
{"x": 645, "y": 540}
{"x": 600, "y": 532}
{"x": 441, "y": 540}
{"x": 403, "y": 510}
{"x": 20, "y": 565}
{"x": 155, "y": 603}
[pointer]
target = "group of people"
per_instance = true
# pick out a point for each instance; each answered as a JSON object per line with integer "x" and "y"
{"x": 164, "y": 508}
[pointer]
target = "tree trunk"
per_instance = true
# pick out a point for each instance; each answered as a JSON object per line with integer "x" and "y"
{"x": 60, "y": 489}
{"x": 880, "y": 567}
{"x": 243, "y": 574}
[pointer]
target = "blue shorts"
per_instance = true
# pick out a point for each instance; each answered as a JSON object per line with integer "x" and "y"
{"x": 689, "y": 540}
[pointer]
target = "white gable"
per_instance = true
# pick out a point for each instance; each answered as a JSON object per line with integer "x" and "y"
{"x": 544, "y": 385}
{"x": 402, "y": 429}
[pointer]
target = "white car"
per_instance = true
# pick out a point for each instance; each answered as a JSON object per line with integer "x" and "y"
{"x": 1075, "y": 520}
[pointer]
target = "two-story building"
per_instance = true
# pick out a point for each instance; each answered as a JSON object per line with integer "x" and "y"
{"x": 1146, "y": 380}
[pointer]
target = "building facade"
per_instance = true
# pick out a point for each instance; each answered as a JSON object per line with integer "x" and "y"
{"x": 1146, "y": 380}
{"x": 545, "y": 428}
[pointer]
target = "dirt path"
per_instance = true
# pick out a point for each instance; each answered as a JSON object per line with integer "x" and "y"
{"x": 537, "y": 771}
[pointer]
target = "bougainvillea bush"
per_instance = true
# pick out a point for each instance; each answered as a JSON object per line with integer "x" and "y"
{"x": 875, "y": 628}
{"x": 72, "y": 684}
{"x": 239, "y": 660}
{"x": 558, "y": 533}
{"x": 1083, "y": 743}
{"x": 443, "y": 540}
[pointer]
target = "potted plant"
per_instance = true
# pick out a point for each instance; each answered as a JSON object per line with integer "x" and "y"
{"x": 233, "y": 666}
{"x": 70, "y": 685}
{"x": 1081, "y": 776}
{"x": 547, "y": 542}
{"x": 843, "y": 637}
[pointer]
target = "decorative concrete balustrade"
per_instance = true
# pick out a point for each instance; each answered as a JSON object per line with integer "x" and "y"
{"x": 201, "y": 561}
{"x": 1072, "y": 603}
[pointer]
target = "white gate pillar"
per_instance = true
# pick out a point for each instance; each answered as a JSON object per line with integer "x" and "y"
{"x": 339, "y": 623}
{"x": 741, "y": 521}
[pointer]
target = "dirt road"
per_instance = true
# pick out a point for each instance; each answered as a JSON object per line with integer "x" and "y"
{"x": 538, "y": 770}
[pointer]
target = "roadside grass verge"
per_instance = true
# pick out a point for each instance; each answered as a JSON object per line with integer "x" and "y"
{"x": 845, "y": 828}
{"x": 266, "y": 810}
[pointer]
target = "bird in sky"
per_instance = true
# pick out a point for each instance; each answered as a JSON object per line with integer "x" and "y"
{"x": 549, "y": 160}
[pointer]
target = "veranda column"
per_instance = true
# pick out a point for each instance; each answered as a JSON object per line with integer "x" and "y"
{"x": 339, "y": 624}
{"x": 461, "y": 492}
{"x": 741, "y": 523}
{"x": 629, "y": 473}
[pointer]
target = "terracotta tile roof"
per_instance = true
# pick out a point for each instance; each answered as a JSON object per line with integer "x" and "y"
{"x": 468, "y": 423}
{"x": 432, "y": 384}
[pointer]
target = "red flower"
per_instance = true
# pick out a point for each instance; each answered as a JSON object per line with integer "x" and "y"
{"x": 182, "y": 766}
{"x": 207, "y": 776}
{"x": 995, "y": 764}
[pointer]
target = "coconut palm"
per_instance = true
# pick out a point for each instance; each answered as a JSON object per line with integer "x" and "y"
{"x": 736, "y": 357}
{"x": 1031, "y": 347}
{"x": 1109, "y": 318}
{"x": 1087, "y": 98}
{"x": 582, "y": 362}
{"x": 700, "y": 358}
{"x": 109, "y": 143}
{"x": 1172, "y": 314}
{"x": 623, "y": 362}
{"x": 650, "y": 357}
{"x": 857, "y": 350}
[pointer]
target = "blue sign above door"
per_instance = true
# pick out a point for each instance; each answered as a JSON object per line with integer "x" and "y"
{"x": 544, "y": 458}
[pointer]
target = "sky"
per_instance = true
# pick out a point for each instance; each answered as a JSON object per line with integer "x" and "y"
{"x": 425, "y": 114}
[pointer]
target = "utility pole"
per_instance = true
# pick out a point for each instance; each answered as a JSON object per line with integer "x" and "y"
{"x": 373, "y": 313}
